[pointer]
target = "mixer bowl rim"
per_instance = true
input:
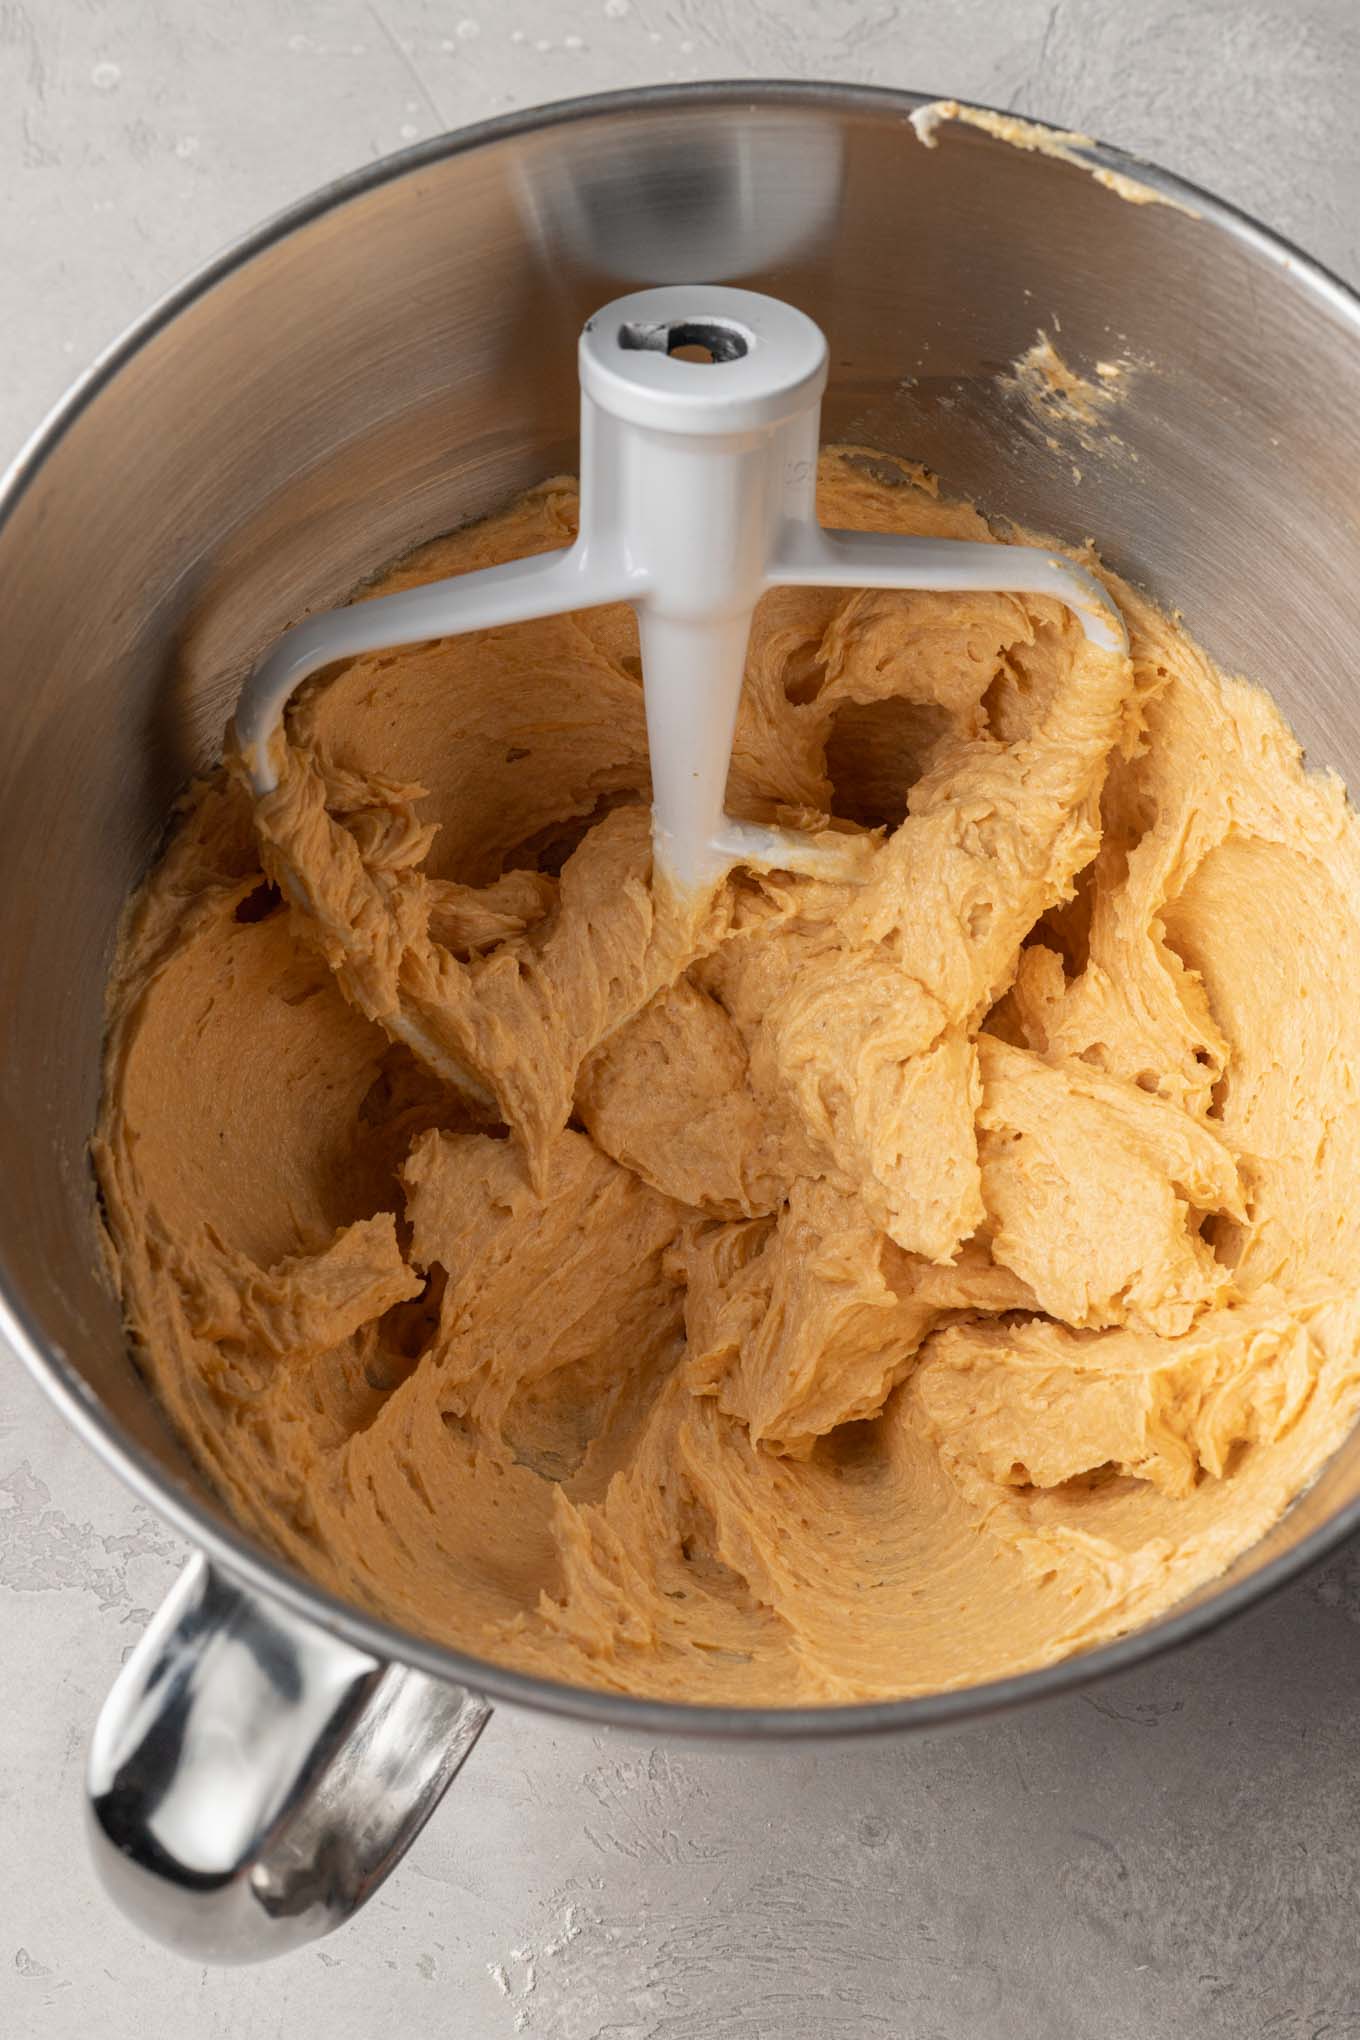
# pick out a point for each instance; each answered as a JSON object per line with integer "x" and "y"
{"x": 222, "y": 1541}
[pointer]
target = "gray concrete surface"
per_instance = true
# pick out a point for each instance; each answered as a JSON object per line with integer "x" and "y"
{"x": 1175, "y": 1853}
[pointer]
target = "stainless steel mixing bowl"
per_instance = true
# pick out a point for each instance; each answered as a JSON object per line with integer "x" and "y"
{"x": 390, "y": 358}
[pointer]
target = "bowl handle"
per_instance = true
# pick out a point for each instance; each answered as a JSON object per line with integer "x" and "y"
{"x": 252, "y": 1780}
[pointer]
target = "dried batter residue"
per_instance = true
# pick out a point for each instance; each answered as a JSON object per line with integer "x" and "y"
{"x": 1069, "y": 408}
{"x": 1068, "y": 145}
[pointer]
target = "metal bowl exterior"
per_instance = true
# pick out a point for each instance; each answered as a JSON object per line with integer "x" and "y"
{"x": 395, "y": 355}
